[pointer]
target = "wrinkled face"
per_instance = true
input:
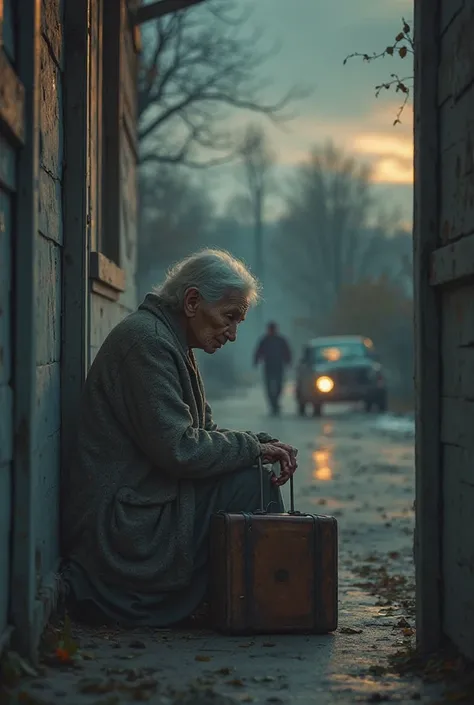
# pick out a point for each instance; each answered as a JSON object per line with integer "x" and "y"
{"x": 210, "y": 326}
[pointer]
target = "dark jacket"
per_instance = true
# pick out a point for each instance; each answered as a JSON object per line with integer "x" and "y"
{"x": 145, "y": 436}
{"x": 274, "y": 352}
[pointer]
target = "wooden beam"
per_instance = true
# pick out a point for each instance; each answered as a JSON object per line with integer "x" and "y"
{"x": 109, "y": 240}
{"x": 23, "y": 578}
{"x": 453, "y": 263}
{"x": 427, "y": 331}
{"x": 105, "y": 271}
{"x": 146, "y": 13}
{"x": 12, "y": 100}
{"x": 75, "y": 276}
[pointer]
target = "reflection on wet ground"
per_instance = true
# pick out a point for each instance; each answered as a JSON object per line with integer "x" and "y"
{"x": 323, "y": 461}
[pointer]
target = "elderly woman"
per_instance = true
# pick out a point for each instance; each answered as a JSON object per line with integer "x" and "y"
{"x": 150, "y": 465}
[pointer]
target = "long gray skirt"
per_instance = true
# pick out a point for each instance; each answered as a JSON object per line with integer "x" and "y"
{"x": 236, "y": 492}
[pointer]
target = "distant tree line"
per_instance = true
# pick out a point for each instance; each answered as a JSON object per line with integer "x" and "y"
{"x": 338, "y": 260}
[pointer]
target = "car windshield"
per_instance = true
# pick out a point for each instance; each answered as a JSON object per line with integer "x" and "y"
{"x": 339, "y": 352}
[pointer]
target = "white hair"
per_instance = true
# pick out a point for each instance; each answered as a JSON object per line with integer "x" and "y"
{"x": 214, "y": 273}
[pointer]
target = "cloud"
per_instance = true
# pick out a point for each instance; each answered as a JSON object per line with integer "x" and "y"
{"x": 388, "y": 148}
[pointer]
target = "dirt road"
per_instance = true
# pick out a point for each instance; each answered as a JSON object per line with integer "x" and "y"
{"x": 352, "y": 465}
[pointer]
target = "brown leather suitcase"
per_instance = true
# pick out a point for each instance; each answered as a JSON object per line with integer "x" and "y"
{"x": 274, "y": 573}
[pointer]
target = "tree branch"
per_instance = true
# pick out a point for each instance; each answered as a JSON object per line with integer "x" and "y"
{"x": 199, "y": 66}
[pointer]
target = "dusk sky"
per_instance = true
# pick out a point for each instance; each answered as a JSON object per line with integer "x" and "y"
{"x": 315, "y": 37}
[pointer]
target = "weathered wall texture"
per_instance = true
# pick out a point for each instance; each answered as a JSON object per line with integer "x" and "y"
{"x": 7, "y": 186}
{"x": 456, "y": 138}
{"x": 104, "y": 313}
{"x": 58, "y": 346}
{"x": 48, "y": 301}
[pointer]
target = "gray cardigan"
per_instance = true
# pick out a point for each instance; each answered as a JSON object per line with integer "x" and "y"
{"x": 145, "y": 437}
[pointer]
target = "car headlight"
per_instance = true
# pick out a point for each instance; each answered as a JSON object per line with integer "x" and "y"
{"x": 324, "y": 384}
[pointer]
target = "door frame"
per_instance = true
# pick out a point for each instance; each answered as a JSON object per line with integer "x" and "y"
{"x": 23, "y": 574}
{"x": 429, "y": 508}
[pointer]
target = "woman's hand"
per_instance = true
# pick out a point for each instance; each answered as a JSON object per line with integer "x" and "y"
{"x": 283, "y": 454}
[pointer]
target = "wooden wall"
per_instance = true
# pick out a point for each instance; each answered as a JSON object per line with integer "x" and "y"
{"x": 49, "y": 291}
{"x": 108, "y": 307}
{"x": 444, "y": 263}
{"x": 60, "y": 294}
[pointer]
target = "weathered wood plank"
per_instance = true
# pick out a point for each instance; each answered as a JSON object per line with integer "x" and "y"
{"x": 457, "y": 370}
{"x": 457, "y": 187}
{"x": 12, "y": 99}
{"x": 95, "y": 144}
{"x": 456, "y": 67}
{"x": 5, "y": 288}
{"x": 7, "y": 165}
{"x": 50, "y": 207}
{"x": 427, "y": 330}
{"x": 48, "y": 301}
{"x": 458, "y": 548}
{"x": 52, "y": 28}
{"x": 453, "y": 263}
{"x": 5, "y": 529}
{"x": 107, "y": 272}
{"x": 75, "y": 354}
{"x": 449, "y": 10}
{"x": 51, "y": 123}
{"x": 47, "y": 506}
{"x": 129, "y": 74}
{"x": 458, "y": 316}
{"x": 128, "y": 219}
{"x": 7, "y": 28}
{"x": 48, "y": 402}
{"x": 145, "y": 13}
{"x": 23, "y": 583}
{"x": 6, "y": 425}
{"x": 112, "y": 107}
{"x": 457, "y": 423}
{"x": 105, "y": 315}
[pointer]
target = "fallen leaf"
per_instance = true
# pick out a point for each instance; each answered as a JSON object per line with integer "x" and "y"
{"x": 63, "y": 655}
{"x": 268, "y": 644}
{"x": 226, "y": 671}
{"x": 350, "y": 630}
{"x": 402, "y": 623}
{"x": 247, "y": 644}
{"x": 137, "y": 644}
{"x": 236, "y": 682}
{"x": 202, "y": 658}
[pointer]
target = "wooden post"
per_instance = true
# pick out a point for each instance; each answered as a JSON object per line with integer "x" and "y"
{"x": 23, "y": 581}
{"x": 75, "y": 279}
{"x": 427, "y": 330}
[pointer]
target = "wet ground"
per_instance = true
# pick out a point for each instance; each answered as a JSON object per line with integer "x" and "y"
{"x": 355, "y": 466}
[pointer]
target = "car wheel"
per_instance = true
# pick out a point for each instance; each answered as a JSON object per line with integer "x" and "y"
{"x": 301, "y": 408}
{"x": 316, "y": 409}
{"x": 382, "y": 403}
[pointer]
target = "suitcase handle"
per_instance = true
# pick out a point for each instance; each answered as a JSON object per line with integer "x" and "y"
{"x": 262, "y": 509}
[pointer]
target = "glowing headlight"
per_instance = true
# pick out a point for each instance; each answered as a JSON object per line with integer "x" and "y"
{"x": 324, "y": 384}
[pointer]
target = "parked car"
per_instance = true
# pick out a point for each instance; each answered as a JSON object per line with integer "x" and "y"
{"x": 340, "y": 368}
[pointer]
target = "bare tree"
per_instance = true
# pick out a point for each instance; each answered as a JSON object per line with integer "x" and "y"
{"x": 257, "y": 161}
{"x": 197, "y": 65}
{"x": 175, "y": 216}
{"x": 332, "y": 233}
